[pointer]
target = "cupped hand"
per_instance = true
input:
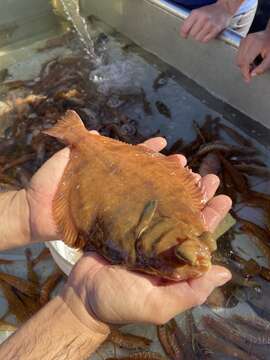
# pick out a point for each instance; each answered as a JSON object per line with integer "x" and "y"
{"x": 252, "y": 46}
{"x": 206, "y": 23}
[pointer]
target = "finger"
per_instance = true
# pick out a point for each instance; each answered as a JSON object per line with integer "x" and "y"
{"x": 187, "y": 25}
{"x": 180, "y": 159}
{"x": 247, "y": 53}
{"x": 262, "y": 68}
{"x": 155, "y": 144}
{"x": 246, "y": 49}
{"x": 215, "y": 211}
{"x": 175, "y": 298}
{"x": 209, "y": 186}
{"x": 197, "y": 26}
{"x": 56, "y": 166}
{"x": 211, "y": 35}
{"x": 94, "y": 132}
{"x": 203, "y": 286}
{"x": 245, "y": 70}
{"x": 197, "y": 178}
{"x": 204, "y": 32}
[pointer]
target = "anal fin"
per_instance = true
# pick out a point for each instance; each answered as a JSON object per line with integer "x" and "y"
{"x": 61, "y": 208}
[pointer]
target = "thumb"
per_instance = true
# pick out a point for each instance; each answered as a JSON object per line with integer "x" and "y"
{"x": 215, "y": 277}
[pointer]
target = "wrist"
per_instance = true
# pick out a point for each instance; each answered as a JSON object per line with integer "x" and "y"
{"x": 83, "y": 313}
{"x": 230, "y": 6}
{"x": 15, "y": 219}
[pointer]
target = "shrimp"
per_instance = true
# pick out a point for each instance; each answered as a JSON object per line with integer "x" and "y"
{"x": 129, "y": 341}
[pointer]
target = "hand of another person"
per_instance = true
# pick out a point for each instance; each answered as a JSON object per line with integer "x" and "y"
{"x": 206, "y": 23}
{"x": 250, "y": 47}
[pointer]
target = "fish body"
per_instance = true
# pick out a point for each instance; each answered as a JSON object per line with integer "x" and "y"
{"x": 163, "y": 109}
{"x": 168, "y": 342}
{"x": 48, "y": 286}
{"x": 131, "y": 205}
{"x": 142, "y": 355}
{"x": 213, "y": 345}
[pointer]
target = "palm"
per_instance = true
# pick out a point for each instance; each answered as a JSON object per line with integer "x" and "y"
{"x": 118, "y": 296}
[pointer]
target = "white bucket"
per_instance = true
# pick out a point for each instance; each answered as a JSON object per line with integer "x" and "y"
{"x": 64, "y": 256}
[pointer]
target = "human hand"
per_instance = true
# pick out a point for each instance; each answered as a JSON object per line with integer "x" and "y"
{"x": 114, "y": 295}
{"x": 206, "y": 23}
{"x": 250, "y": 47}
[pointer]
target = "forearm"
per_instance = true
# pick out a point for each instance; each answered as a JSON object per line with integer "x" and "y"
{"x": 231, "y": 6}
{"x": 14, "y": 225}
{"x": 53, "y": 333}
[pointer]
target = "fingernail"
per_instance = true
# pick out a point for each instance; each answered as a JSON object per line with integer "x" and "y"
{"x": 225, "y": 206}
{"x": 94, "y": 132}
{"x": 253, "y": 73}
{"x": 213, "y": 180}
{"x": 223, "y": 277}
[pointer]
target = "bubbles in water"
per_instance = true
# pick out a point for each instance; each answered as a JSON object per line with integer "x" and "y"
{"x": 121, "y": 75}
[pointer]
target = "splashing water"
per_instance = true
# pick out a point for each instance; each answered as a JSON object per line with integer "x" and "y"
{"x": 121, "y": 75}
{"x": 72, "y": 13}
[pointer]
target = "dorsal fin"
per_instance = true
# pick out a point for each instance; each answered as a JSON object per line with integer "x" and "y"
{"x": 194, "y": 191}
{"x": 69, "y": 128}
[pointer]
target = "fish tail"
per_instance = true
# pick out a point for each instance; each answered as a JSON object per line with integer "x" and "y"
{"x": 70, "y": 128}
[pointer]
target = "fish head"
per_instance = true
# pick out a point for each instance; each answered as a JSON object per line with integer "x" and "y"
{"x": 191, "y": 257}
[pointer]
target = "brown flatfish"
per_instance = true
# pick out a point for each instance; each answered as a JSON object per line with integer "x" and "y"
{"x": 131, "y": 205}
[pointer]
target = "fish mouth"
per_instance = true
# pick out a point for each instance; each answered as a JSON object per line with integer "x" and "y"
{"x": 187, "y": 272}
{"x": 194, "y": 253}
{"x": 178, "y": 273}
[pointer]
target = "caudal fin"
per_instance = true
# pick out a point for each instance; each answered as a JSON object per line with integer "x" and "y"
{"x": 69, "y": 128}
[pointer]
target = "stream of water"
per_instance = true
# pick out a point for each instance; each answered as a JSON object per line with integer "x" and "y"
{"x": 72, "y": 13}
